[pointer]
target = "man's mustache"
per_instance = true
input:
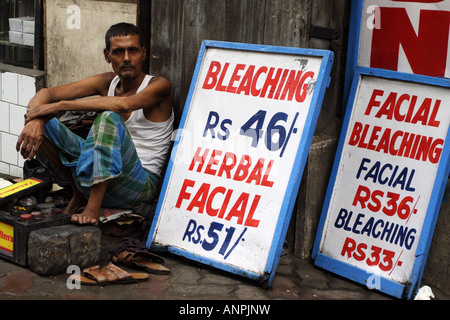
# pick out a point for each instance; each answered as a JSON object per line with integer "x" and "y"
{"x": 127, "y": 66}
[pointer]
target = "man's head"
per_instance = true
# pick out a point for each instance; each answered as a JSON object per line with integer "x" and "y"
{"x": 124, "y": 49}
{"x": 122, "y": 29}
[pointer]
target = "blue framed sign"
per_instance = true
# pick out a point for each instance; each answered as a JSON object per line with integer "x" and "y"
{"x": 409, "y": 36}
{"x": 239, "y": 154}
{"x": 387, "y": 182}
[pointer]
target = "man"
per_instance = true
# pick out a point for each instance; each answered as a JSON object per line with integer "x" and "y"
{"x": 119, "y": 163}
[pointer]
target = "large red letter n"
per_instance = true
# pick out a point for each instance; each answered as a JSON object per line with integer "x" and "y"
{"x": 426, "y": 52}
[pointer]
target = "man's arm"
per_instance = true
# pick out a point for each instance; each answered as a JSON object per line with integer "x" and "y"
{"x": 152, "y": 95}
{"x": 33, "y": 133}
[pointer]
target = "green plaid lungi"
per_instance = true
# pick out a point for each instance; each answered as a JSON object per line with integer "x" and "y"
{"x": 108, "y": 153}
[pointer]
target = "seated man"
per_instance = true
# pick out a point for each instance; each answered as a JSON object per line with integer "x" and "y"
{"x": 119, "y": 163}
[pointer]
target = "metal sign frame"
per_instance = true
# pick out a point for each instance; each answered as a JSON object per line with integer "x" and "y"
{"x": 360, "y": 275}
{"x": 293, "y": 180}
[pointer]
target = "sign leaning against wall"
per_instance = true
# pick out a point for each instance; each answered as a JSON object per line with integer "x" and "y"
{"x": 387, "y": 182}
{"x": 239, "y": 154}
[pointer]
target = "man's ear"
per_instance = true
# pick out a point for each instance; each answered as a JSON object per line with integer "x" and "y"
{"x": 144, "y": 53}
{"x": 106, "y": 53}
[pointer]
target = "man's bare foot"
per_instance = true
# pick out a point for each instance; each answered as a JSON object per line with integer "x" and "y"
{"x": 78, "y": 201}
{"x": 88, "y": 216}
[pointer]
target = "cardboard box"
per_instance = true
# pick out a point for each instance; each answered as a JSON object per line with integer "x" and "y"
{"x": 22, "y": 24}
{"x": 16, "y": 37}
{"x": 28, "y": 39}
{"x": 28, "y": 26}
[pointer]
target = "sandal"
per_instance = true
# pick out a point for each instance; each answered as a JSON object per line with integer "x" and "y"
{"x": 141, "y": 259}
{"x": 109, "y": 274}
{"x": 129, "y": 244}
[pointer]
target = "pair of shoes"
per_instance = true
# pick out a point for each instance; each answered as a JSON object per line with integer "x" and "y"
{"x": 109, "y": 274}
{"x": 142, "y": 259}
{"x": 136, "y": 255}
{"x": 36, "y": 169}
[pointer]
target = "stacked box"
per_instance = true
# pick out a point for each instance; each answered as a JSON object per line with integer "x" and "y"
{"x": 21, "y": 31}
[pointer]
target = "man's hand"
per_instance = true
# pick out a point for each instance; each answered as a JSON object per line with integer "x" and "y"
{"x": 31, "y": 138}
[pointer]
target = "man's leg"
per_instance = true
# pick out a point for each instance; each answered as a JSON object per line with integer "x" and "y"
{"x": 91, "y": 213}
{"x": 51, "y": 153}
{"x": 110, "y": 167}
{"x": 105, "y": 166}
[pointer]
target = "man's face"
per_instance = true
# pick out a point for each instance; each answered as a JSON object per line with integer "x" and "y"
{"x": 126, "y": 55}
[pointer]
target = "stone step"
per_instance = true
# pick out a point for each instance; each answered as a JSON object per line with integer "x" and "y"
{"x": 52, "y": 250}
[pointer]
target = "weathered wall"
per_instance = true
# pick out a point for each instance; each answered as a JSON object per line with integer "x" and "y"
{"x": 75, "y": 39}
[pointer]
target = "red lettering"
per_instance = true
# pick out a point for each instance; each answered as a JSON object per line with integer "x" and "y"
{"x": 291, "y": 84}
{"x": 255, "y": 92}
{"x": 200, "y": 159}
{"x": 200, "y": 197}
{"x": 183, "y": 194}
{"x": 225, "y": 167}
{"x": 265, "y": 182}
{"x": 432, "y": 122}
{"x": 361, "y": 196}
{"x": 238, "y": 210}
{"x": 256, "y": 173}
{"x": 209, "y": 209}
{"x": 211, "y": 76}
{"x": 235, "y": 77}
{"x": 354, "y": 137}
{"x": 272, "y": 82}
{"x": 349, "y": 247}
{"x": 220, "y": 86}
{"x": 242, "y": 169}
{"x": 388, "y": 107}
{"x": 246, "y": 82}
{"x": 302, "y": 89}
{"x": 373, "y": 102}
{"x": 426, "y": 52}
{"x": 250, "y": 222}
{"x": 212, "y": 161}
{"x": 397, "y": 115}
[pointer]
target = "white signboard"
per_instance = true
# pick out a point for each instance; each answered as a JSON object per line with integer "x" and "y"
{"x": 387, "y": 182}
{"x": 237, "y": 161}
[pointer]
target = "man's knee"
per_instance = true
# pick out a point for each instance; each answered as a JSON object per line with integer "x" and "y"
{"x": 109, "y": 116}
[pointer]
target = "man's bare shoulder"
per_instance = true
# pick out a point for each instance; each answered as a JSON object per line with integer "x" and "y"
{"x": 103, "y": 81}
{"x": 163, "y": 85}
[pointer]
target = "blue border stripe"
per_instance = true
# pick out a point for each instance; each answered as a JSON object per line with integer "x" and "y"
{"x": 353, "y": 45}
{"x": 358, "y": 275}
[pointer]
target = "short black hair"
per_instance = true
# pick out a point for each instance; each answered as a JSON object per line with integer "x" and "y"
{"x": 122, "y": 29}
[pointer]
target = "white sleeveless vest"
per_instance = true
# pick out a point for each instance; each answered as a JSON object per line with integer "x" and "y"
{"x": 151, "y": 139}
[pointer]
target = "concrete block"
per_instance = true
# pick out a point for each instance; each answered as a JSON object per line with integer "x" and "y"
{"x": 312, "y": 194}
{"x": 52, "y": 250}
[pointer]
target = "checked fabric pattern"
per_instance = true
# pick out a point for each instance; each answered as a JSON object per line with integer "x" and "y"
{"x": 108, "y": 153}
